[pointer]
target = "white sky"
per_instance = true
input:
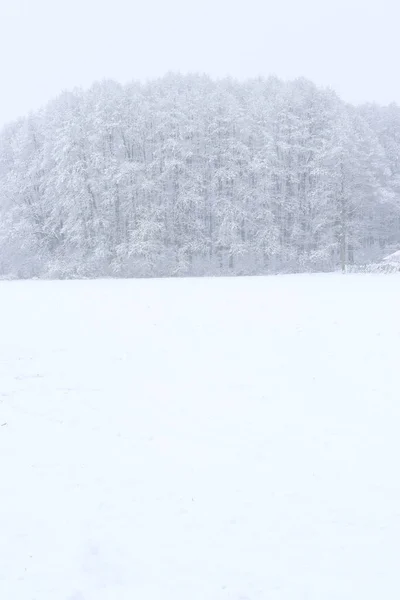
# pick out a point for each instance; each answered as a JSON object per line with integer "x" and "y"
{"x": 50, "y": 45}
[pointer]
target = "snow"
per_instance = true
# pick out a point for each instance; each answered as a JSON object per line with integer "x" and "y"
{"x": 200, "y": 439}
{"x": 395, "y": 257}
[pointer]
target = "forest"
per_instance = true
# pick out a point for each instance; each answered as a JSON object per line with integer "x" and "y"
{"x": 191, "y": 176}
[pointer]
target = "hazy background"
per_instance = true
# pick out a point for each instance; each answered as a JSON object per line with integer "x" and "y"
{"x": 49, "y": 45}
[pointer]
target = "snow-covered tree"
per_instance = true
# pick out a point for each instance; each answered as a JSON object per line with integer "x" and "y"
{"x": 186, "y": 175}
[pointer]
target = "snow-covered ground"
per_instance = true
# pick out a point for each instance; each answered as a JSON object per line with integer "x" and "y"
{"x": 226, "y": 439}
{"x": 395, "y": 257}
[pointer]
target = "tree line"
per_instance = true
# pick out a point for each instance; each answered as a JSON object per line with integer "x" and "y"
{"x": 186, "y": 175}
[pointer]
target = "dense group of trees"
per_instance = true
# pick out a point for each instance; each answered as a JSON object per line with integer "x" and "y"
{"x": 190, "y": 176}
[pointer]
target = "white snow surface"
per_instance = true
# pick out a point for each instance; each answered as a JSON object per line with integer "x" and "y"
{"x": 200, "y": 439}
{"x": 395, "y": 257}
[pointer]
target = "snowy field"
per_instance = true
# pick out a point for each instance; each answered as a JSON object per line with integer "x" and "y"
{"x": 226, "y": 439}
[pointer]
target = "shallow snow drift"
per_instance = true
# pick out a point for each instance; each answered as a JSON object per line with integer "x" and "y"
{"x": 227, "y": 439}
{"x": 395, "y": 257}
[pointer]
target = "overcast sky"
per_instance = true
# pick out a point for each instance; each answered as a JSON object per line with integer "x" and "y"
{"x": 50, "y": 45}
